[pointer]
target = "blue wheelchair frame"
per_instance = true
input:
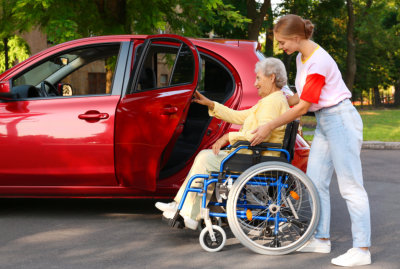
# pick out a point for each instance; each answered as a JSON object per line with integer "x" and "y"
{"x": 215, "y": 177}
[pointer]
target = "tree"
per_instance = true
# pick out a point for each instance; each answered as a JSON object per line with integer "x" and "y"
{"x": 14, "y": 48}
{"x": 257, "y": 14}
{"x": 254, "y": 13}
{"x": 268, "y": 29}
{"x": 18, "y": 50}
{"x": 65, "y": 20}
{"x": 351, "y": 47}
{"x": 258, "y": 19}
{"x": 377, "y": 46}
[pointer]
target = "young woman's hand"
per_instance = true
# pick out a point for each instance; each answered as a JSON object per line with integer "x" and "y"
{"x": 260, "y": 133}
{"x": 220, "y": 143}
{"x": 202, "y": 100}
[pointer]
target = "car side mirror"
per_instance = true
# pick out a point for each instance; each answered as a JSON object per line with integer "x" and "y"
{"x": 65, "y": 89}
{"x": 5, "y": 91}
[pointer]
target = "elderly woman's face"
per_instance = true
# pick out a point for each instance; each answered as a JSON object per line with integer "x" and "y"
{"x": 264, "y": 84}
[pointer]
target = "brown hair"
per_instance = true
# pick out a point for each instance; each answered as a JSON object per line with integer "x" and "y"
{"x": 291, "y": 25}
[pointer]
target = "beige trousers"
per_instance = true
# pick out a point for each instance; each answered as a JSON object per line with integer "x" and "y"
{"x": 205, "y": 162}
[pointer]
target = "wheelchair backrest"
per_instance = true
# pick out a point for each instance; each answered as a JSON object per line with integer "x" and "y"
{"x": 289, "y": 140}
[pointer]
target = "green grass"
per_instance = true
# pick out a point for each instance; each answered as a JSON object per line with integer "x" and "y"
{"x": 379, "y": 125}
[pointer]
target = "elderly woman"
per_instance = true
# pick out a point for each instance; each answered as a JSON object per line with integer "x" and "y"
{"x": 270, "y": 78}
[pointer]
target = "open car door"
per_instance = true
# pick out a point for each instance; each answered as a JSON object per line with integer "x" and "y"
{"x": 151, "y": 115}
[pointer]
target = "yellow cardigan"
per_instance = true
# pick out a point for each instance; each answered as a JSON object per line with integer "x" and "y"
{"x": 266, "y": 109}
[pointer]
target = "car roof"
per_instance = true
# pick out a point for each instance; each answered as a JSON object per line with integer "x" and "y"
{"x": 215, "y": 45}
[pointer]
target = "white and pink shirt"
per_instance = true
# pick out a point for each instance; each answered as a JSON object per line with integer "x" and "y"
{"x": 319, "y": 81}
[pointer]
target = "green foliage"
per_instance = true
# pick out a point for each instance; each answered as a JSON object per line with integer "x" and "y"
{"x": 18, "y": 51}
{"x": 228, "y": 28}
{"x": 377, "y": 34}
{"x": 377, "y": 30}
{"x": 222, "y": 17}
{"x": 65, "y": 20}
{"x": 376, "y": 46}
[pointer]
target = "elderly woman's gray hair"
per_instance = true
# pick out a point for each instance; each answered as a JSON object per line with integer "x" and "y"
{"x": 275, "y": 66}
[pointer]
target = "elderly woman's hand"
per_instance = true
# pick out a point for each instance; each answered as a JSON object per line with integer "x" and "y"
{"x": 202, "y": 100}
{"x": 220, "y": 143}
{"x": 260, "y": 134}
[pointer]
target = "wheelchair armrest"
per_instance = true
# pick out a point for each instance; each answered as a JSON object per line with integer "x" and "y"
{"x": 261, "y": 146}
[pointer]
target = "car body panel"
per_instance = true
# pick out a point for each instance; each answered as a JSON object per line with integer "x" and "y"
{"x": 50, "y": 150}
{"x": 94, "y": 159}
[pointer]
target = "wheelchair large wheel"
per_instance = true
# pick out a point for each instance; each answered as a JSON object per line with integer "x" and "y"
{"x": 273, "y": 208}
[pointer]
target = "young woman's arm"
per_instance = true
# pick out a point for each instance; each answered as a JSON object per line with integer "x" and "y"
{"x": 263, "y": 131}
{"x": 293, "y": 99}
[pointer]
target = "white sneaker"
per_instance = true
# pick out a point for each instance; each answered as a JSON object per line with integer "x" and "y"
{"x": 190, "y": 223}
{"x": 169, "y": 214}
{"x": 173, "y": 206}
{"x": 316, "y": 245}
{"x": 353, "y": 257}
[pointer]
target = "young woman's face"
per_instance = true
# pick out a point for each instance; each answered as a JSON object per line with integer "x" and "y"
{"x": 264, "y": 84}
{"x": 287, "y": 44}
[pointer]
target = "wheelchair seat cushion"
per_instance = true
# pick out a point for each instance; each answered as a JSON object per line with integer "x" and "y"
{"x": 240, "y": 162}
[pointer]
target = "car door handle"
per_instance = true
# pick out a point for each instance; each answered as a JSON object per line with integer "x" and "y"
{"x": 93, "y": 116}
{"x": 170, "y": 110}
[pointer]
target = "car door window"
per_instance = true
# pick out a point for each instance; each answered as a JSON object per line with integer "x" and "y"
{"x": 83, "y": 71}
{"x": 217, "y": 81}
{"x": 166, "y": 66}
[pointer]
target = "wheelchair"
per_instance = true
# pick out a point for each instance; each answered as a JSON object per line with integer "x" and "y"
{"x": 271, "y": 206}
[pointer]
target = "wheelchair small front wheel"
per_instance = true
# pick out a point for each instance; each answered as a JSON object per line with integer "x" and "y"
{"x": 208, "y": 244}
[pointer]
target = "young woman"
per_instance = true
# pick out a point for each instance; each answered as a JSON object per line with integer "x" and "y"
{"x": 337, "y": 140}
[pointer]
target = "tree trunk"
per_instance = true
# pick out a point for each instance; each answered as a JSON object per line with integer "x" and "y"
{"x": 114, "y": 11}
{"x": 269, "y": 35}
{"x": 397, "y": 93}
{"x": 109, "y": 75}
{"x": 287, "y": 59}
{"x": 6, "y": 64}
{"x": 377, "y": 97}
{"x": 351, "y": 48}
{"x": 257, "y": 18}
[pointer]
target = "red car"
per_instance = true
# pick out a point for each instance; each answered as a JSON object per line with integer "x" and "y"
{"x": 112, "y": 116}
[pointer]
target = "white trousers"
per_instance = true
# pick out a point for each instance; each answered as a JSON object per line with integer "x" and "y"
{"x": 336, "y": 147}
{"x": 206, "y": 161}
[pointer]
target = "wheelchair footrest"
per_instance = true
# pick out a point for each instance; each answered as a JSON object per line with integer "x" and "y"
{"x": 175, "y": 222}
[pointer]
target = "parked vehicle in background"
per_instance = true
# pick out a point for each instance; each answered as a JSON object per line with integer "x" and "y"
{"x": 112, "y": 116}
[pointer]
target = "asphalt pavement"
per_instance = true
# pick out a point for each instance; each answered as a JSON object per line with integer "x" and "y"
{"x": 84, "y": 233}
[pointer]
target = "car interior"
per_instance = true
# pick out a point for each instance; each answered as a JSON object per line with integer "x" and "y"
{"x": 167, "y": 65}
{"x": 217, "y": 84}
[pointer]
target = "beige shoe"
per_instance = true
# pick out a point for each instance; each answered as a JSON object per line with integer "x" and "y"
{"x": 173, "y": 206}
{"x": 190, "y": 223}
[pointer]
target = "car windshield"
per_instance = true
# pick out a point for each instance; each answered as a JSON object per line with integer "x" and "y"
{"x": 43, "y": 71}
